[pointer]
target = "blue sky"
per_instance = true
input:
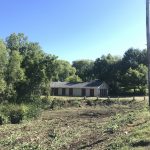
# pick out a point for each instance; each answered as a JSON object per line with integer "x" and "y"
{"x": 77, "y": 29}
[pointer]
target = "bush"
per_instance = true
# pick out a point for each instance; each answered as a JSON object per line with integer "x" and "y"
{"x": 56, "y": 104}
{"x": 74, "y": 103}
{"x": 89, "y": 103}
{"x": 15, "y": 115}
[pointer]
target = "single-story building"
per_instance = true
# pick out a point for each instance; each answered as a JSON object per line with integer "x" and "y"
{"x": 89, "y": 89}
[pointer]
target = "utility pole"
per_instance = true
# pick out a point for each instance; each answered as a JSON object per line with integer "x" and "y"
{"x": 148, "y": 43}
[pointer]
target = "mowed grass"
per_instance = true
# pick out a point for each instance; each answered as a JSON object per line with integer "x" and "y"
{"x": 94, "y": 124}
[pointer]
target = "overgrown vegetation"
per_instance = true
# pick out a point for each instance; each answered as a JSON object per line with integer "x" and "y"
{"x": 75, "y": 123}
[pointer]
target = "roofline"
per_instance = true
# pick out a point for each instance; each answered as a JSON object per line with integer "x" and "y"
{"x": 97, "y": 87}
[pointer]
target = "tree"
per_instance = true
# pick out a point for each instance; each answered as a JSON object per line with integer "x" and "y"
{"x": 73, "y": 78}
{"x": 14, "y": 71}
{"x": 107, "y": 68}
{"x": 40, "y": 68}
{"x": 84, "y": 69}
{"x": 64, "y": 70}
{"x": 15, "y": 75}
{"x": 17, "y": 42}
{"x": 132, "y": 58}
{"x": 136, "y": 78}
{"x": 3, "y": 63}
{"x": 143, "y": 57}
{"x": 30, "y": 70}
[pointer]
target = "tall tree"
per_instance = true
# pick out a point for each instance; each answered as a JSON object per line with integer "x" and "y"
{"x": 64, "y": 70}
{"x": 17, "y": 42}
{"x": 132, "y": 58}
{"x": 107, "y": 68}
{"x": 84, "y": 69}
{"x": 15, "y": 74}
{"x": 3, "y": 63}
{"x": 136, "y": 78}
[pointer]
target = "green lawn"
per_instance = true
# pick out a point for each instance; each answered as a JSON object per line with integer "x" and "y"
{"x": 120, "y": 124}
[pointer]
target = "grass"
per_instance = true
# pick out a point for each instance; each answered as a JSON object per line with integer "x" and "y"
{"x": 82, "y": 124}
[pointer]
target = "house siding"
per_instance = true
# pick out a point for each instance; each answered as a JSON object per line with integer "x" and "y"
{"x": 96, "y": 92}
{"x": 77, "y": 92}
{"x": 83, "y": 89}
{"x": 60, "y": 91}
{"x": 67, "y": 91}
{"x": 87, "y": 92}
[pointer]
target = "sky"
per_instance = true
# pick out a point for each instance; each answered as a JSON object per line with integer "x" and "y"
{"x": 77, "y": 29}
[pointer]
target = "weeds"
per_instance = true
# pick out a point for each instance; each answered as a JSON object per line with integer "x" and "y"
{"x": 118, "y": 125}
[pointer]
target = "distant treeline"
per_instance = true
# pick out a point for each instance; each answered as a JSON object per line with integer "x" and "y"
{"x": 26, "y": 71}
{"x": 125, "y": 75}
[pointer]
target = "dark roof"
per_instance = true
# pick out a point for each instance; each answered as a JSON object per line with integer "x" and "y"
{"x": 91, "y": 84}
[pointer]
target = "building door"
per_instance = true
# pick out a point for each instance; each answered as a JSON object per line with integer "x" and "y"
{"x": 70, "y": 92}
{"x": 92, "y": 92}
{"x": 63, "y": 92}
{"x": 83, "y": 92}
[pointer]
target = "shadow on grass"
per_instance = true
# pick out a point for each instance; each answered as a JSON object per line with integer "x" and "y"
{"x": 141, "y": 143}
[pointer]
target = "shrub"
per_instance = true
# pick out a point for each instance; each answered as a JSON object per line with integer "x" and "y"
{"x": 58, "y": 104}
{"x": 15, "y": 115}
{"x": 89, "y": 103}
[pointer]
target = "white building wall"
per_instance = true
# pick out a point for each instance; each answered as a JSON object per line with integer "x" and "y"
{"x": 87, "y": 92}
{"x": 67, "y": 92}
{"x": 103, "y": 86}
{"x": 59, "y": 91}
{"x": 96, "y": 92}
{"x": 76, "y": 92}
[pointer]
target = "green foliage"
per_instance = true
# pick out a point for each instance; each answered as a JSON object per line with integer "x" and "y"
{"x": 16, "y": 42}
{"x": 63, "y": 103}
{"x": 131, "y": 59}
{"x": 84, "y": 69}
{"x": 118, "y": 121}
{"x": 14, "y": 71}
{"x": 73, "y": 78}
{"x": 31, "y": 111}
{"x": 3, "y": 63}
{"x": 26, "y": 71}
{"x": 64, "y": 70}
{"x": 15, "y": 115}
{"x": 107, "y": 68}
{"x": 81, "y": 128}
{"x": 136, "y": 78}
